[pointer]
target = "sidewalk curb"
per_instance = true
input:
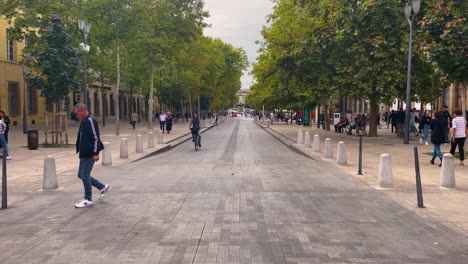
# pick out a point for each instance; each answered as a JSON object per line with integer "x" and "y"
{"x": 177, "y": 141}
{"x": 291, "y": 144}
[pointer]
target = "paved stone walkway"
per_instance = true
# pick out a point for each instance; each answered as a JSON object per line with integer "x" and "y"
{"x": 243, "y": 198}
{"x": 25, "y": 170}
{"x": 446, "y": 205}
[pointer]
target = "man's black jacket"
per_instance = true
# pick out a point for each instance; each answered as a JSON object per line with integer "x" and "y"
{"x": 88, "y": 142}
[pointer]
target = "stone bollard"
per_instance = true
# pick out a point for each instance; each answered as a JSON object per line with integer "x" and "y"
{"x": 139, "y": 144}
{"x": 447, "y": 174}
{"x": 107, "y": 154}
{"x": 316, "y": 147}
{"x": 124, "y": 149}
{"x": 160, "y": 137}
{"x": 49, "y": 181}
{"x": 300, "y": 137}
{"x": 307, "y": 140}
{"x": 385, "y": 171}
{"x": 341, "y": 154}
{"x": 328, "y": 154}
{"x": 150, "y": 139}
{"x": 268, "y": 123}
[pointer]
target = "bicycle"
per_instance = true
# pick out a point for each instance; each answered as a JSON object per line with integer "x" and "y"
{"x": 196, "y": 141}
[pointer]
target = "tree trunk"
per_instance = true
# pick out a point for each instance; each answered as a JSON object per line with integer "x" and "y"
{"x": 116, "y": 95}
{"x": 151, "y": 99}
{"x": 318, "y": 116}
{"x": 131, "y": 101}
{"x": 374, "y": 109}
{"x": 325, "y": 113}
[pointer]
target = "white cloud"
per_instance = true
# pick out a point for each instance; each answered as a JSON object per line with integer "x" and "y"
{"x": 239, "y": 23}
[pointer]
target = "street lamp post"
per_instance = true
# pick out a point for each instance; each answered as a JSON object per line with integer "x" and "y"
{"x": 410, "y": 17}
{"x": 84, "y": 29}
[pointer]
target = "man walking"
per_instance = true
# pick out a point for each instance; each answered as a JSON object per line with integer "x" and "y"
{"x": 133, "y": 119}
{"x": 88, "y": 145}
{"x": 162, "y": 121}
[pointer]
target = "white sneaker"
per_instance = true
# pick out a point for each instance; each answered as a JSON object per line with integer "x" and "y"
{"x": 84, "y": 203}
{"x": 103, "y": 191}
{"x": 427, "y": 144}
{"x": 8, "y": 157}
{"x": 421, "y": 141}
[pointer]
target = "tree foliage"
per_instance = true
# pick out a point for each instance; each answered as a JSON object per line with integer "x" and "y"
{"x": 56, "y": 63}
{"x": 319, "y": 51}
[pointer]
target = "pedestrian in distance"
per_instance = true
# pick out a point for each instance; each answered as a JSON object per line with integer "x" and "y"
{"x": 169, "y": 122}
{"x": 216, "y": 119}
{"x": 3, "y": 142}
{"x": 133, "y": 119}
{"x": 437, "y": 136}
{"x": 7, "y": 121}
{"x": 394, "y": 120}
{"x": 412, "y": 122}
{"x": 459, "y": 135}
{"x": 446, "y": 118}
{"x": 162, "y": 121}
{"x": 425, "y": 125}
{"x": 88, "y": 145}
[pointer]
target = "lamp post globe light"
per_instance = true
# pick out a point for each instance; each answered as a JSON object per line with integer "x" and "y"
{"x": 410, "y": 12}
{"x": 84, "y": 29}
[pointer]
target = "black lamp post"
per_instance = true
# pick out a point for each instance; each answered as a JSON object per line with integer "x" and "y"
{"x": 410, "y": 12}
{"x": 84, "y": 29}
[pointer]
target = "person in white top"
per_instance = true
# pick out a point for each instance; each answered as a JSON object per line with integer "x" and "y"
{"x": 162, "y": 121}
{"x": 459, "y": 134}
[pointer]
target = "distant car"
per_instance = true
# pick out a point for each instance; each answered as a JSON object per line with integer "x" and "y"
{"x": 234, "y": 114}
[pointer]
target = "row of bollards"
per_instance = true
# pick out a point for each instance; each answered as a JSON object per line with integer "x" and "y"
{"x": 328, "y": 152}
{"x": 50, "y": 171}
{"x": 385, "y": 177}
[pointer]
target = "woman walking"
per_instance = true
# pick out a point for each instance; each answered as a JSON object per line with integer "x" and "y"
{"x": 3, "y": 142}
{"x": 459, "y": 135}
{"x": 169, "y": 122}
{"x": 437, "y": 136}
{"x": 425, "y": 124}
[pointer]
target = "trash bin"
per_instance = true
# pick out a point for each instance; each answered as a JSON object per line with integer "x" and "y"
{"x": 33, "y": 139}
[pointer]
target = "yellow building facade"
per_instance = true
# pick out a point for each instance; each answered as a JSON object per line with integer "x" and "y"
{"x": 13, "y": 91}
{"x": 16, "y": 97}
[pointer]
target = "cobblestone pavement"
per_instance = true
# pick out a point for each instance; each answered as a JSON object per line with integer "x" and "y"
{"x": 445, "y": 205}
{"x": 243, "y": 198}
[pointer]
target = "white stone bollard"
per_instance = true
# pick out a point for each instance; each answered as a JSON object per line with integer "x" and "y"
{"x": 139, "y": 144}
{"x": 316, "y": 147}
{"x": 328, "y": 154}
{"x": 385, "y": 171}
{"x": 107, "y": 154}
{"x": 300, "y": 137}
{"x": 124, "y": 149}
{"x": 341, "y": 154}
{"x": 150, "y": 139}
{"x": 160, "y": 137}
{"x": 307, "y": 140}
{"x": 268, "y": 123}
{"x": 447, "y": 174}
{"x": 49, "y": 181}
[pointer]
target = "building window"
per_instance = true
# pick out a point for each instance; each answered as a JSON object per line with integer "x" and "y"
{"x": 10, "y": 48}
{"x": 13, "y": 98}
{"x": 32, "y": 100}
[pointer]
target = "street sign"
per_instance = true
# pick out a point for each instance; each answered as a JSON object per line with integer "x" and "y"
{"x": 306, "y": 116}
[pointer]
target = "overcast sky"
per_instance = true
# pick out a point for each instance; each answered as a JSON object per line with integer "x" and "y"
{"x": 239, "y": 23}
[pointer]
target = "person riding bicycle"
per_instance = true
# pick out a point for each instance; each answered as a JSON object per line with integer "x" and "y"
{"x": 195, "y": 128}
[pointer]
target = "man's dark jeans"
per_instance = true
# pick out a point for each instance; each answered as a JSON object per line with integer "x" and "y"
{"x": 84, "y": 173}
{"x": 460, "y": 142}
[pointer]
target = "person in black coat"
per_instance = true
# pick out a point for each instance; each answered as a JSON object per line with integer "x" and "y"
{"x": 169, "y": 122}
{"x": 437, "y": 136}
